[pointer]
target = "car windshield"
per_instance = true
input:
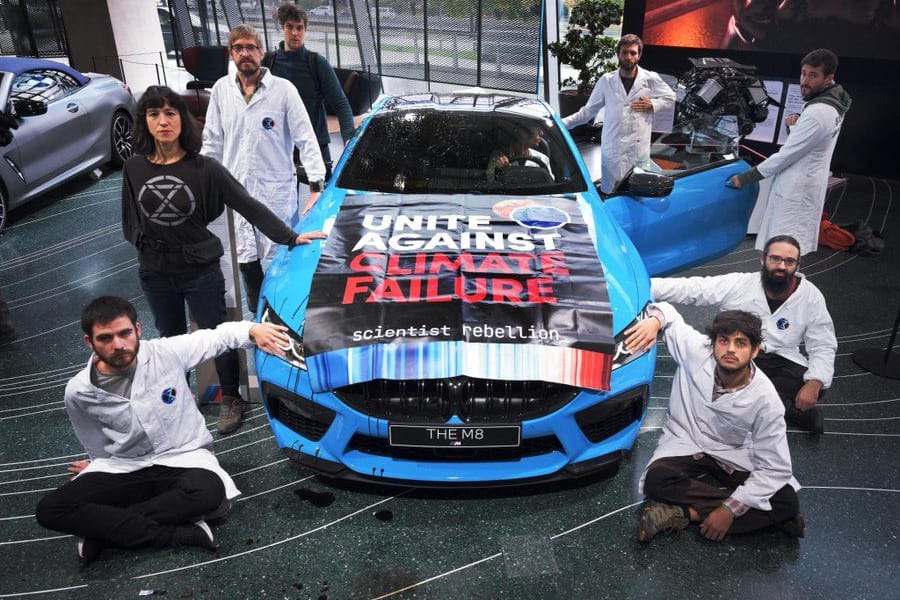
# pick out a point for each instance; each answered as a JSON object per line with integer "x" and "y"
{"x": 423, "y": 149}
{"x": 694, "y": 145}
{"x": 42, "y": 85}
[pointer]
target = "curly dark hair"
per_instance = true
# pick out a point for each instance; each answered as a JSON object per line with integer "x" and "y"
{"x": 291, "y": 12}
{"x": 732, "y": 321}
{"x": 158, "y": 96}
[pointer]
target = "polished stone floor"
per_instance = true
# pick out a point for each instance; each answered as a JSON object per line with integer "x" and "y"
{"x": 293, "y": 535}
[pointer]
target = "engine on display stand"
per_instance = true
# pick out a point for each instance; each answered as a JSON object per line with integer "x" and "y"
{"x": 719, "y": 87}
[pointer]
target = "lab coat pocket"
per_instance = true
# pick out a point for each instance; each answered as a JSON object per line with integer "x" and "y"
{"x": 733, "y": 422}
{"x": 278, "y": 191}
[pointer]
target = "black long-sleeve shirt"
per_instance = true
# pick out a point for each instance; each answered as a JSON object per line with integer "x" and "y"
{"x": 166, "y": 208}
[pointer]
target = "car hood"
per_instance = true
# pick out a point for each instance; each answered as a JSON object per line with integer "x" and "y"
{"x": 425, "y": 265}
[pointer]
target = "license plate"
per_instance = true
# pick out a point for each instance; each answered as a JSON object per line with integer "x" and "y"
{"x": 456, "y": 436}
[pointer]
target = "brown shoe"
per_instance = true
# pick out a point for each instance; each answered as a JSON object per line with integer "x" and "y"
{"x": 231, "y": 413}
{"x": 658, "y": 517}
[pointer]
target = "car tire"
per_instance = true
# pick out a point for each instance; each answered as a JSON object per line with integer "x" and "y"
{"x": 4, "y": 208}
{"x": 120, "y": 132}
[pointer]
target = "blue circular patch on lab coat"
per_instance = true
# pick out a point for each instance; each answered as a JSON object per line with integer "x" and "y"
{"x": 268, "y": 123}
{"x": 783, "y": 323}
{"x": 168, "y": 395}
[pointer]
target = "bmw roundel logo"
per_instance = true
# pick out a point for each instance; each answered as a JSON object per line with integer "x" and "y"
{"x": 540, "y": 216}
{"x": 783, "y": 323}
{"x": 268, "y": 123}
{"x": 168, "y": 395}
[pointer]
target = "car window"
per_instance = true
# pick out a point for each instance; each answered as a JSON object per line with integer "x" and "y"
{"x": 42, "y": 84}
{"x": 423, "y": 150}
{"x": 695, "y": 145}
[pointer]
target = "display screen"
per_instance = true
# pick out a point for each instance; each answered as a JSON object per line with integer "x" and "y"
{"x": 858, "y": 28}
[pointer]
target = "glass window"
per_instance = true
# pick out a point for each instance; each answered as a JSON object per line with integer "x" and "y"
{"x": 426, "y": 150}
{"x": 695, "y": 145}
{"x": 44, "y": 85}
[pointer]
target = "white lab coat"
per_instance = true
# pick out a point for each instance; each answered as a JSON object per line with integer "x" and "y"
{"x": 626, "y": 134}
{"x": 122, "y": 435}
{"x": 800, "y": 170}
{"x": 744, "y": 429}
{"x": 802, "y": 319}
{"x": 255, "y": 142}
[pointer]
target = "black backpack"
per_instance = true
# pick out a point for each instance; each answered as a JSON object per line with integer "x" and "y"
{"x": 868, "y": 241}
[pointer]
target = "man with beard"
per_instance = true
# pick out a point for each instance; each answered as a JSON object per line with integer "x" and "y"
{"x": 801, "y": 167}
{"x": 630, "y": 96}
{"x": 793, "y": 312}
{"x": 723, "y": 459}
{"x": 253, "y": 123}
{"x": 152, "y": 478}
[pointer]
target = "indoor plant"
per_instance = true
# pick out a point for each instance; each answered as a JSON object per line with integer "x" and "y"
{"x": 585, "y": 48}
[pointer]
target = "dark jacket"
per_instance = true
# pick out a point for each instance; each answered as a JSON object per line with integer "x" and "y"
{"x": 315, "y": 88}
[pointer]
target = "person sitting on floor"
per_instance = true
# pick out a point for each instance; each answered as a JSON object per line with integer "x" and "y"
{"x": 723, "y": 458}
{"x": 152, "y": 478}
{"x": 793, "y": 312}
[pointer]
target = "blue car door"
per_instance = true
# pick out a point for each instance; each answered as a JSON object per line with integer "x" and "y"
{"x": 702, "y": 218}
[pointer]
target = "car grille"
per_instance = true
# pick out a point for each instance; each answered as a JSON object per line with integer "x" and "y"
{"x": 472, "y": 400}
{"x": 381, "y": 447}
{"x": 611, "y": 416}
{"x": 307, "y": 418}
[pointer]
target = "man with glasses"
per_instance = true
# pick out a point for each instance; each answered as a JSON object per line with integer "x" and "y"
{"x": 253, "y": 123}
{"x": 793, "y": 312}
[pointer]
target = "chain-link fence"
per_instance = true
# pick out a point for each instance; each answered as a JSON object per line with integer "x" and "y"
{"x": 32, "y": 28}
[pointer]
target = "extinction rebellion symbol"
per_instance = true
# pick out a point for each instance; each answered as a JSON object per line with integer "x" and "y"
{"x": 166, "y": 200}
{"x": 168, "y": 395}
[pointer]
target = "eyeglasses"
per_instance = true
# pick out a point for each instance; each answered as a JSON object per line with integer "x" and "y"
{"x": 774, "y": 259}
{"x": 240, "y": 48}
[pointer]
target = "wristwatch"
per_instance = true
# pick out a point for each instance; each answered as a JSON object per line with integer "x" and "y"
{"x": 315, "y": 186}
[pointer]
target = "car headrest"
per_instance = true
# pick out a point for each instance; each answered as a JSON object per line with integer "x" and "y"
{"x": 205, "y": 63}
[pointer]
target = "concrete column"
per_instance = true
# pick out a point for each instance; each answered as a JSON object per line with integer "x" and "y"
{"x": 120, "y": 37}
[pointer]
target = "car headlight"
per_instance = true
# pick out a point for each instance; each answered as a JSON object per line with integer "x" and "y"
{"x": 622, "y": 356}
{"x": 294, "y": 350}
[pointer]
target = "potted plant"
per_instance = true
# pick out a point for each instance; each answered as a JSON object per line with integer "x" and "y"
{"x": 585, "y": 48}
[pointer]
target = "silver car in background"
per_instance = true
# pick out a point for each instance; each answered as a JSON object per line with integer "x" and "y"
{"x": 57, "y": 123}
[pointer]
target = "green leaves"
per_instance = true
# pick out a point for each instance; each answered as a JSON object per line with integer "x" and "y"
{"x": 584, "y": 47}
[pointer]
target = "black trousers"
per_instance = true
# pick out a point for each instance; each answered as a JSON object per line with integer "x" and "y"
{"x": 787, "y": 377}
{"x": 131, "y": 510}
{"x": 253, "y": 276}
{"x": 703, "y": 485}
{"x": 205, "y": 295}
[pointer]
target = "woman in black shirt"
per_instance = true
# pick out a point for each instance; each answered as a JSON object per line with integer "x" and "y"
{"x": 170, "y": 193}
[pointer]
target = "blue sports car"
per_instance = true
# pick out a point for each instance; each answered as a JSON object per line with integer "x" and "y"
{"x": 462, "y": 324}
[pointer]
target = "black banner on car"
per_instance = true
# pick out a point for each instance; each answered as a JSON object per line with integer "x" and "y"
{"x": 416, "y": 287}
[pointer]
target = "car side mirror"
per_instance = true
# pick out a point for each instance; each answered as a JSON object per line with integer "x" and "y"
{"x": 647, "y": 184}
{"x": 29, "y": 108}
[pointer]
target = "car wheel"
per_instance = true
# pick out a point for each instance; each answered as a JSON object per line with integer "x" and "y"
{"x": 120, "y": 133}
